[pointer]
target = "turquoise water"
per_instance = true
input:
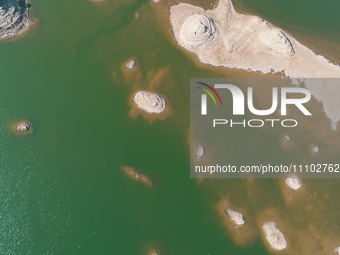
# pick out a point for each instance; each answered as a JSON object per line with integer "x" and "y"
{"x": 62, "y": 188}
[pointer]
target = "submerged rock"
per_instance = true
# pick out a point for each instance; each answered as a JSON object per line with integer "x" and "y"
{"x": 274, "y": 236}
{"x": 14, "y": 17}
{"x": 149, "y": 102}
{"x": 236, "y": 217}
{"x": 293, "y": 182}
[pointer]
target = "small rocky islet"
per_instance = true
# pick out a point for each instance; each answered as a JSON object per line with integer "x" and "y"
{"x": 236, "y": 217}
{"x": 23, "y": 127}
{"x": 14, "y": 18}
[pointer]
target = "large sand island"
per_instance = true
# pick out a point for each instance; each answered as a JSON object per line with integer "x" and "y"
{"x": 223, "y": 37}
{"x": 14, "y": 18}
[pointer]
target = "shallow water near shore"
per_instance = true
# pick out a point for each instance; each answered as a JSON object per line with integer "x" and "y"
{"x": 62, "y": 187}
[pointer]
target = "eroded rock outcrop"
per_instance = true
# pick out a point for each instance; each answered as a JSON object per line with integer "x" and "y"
{"x": 149, "y": 102}
{"x": 236, "y": 217}
{"x": 196, "y": 30}
{"x": 14, "y": 18}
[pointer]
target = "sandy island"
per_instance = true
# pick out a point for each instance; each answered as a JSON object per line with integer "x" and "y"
{"x": 134, "y": 174}
{"x": 14, "y": 18}
{"x": 223, "y": 37}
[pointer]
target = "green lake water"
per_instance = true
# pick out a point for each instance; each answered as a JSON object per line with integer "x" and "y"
{"x": 62, "y": 190}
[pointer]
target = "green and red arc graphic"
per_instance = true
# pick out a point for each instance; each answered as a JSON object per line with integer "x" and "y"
{"x": 209, "y": 93}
